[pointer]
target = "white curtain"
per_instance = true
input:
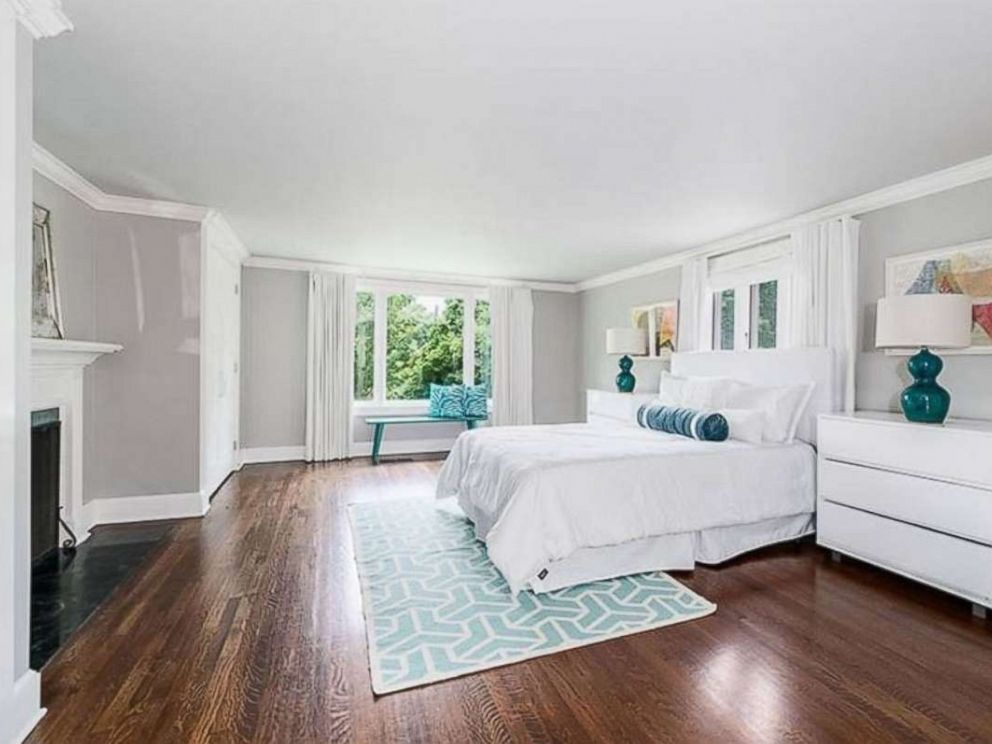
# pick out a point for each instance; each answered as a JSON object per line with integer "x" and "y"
{"x": 695, "y": 307}
{"x": 330, "y": 365}
{"x": 512, "y": 318}
{"x": 824, "y": 297}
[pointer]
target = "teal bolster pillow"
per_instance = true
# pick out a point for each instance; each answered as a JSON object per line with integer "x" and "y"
{"x": 446, "y": 401}
{"x": 702, "y": 425}
{"x": 475, "y": 401}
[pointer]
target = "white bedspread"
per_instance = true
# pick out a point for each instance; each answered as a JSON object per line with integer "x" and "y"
{"x": 538, "y": 493}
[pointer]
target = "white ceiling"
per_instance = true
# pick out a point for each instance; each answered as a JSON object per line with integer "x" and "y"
{"x": 540, "y": 139}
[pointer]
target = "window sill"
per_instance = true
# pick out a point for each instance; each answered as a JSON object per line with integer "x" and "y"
{"x": 362, "y": 408}
{"x": 390, "y": 408}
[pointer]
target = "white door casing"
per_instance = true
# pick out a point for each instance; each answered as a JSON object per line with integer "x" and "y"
{"x": 220, "y": 353}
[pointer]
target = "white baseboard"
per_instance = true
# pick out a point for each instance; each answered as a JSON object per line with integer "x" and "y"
{"x": 358, "y": 449}
{"x": 272, "y": 454}
{"x": 403, "y": 447}
{"x": 210, "y": 489}
{"x": 145, "y": 508}
{"x": 25, "y": 707}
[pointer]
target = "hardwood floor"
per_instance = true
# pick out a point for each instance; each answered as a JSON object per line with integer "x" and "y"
{"x": 246, "y": 626}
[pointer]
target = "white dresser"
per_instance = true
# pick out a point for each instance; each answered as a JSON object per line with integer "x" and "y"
{"x": 611, "y": 407}
{"x": 912, "y": 498}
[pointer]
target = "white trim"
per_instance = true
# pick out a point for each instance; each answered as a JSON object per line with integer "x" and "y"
{"x": 218, "y": 237}
{"x": 25, "y": 698}
{"x": 65, "y": 176}
{"x": 413, "y": 286}
{"x": 272, "y": 454}
{"x": 293, "y": 264}
{"x": 145, "y": 508}
{"x": 403, "y": 446}
{"x": 43, "y": 18}
{"x": 362, "y": 408}
{"x": 222, "y": 236}
{"x": 962, "y": 174}
{"x": 67, "y": 353}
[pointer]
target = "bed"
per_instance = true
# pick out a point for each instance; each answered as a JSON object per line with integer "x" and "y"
{"x": 568, "y": 504}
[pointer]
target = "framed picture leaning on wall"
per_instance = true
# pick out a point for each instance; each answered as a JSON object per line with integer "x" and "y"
{"x": 660, "y": 322}
{"x": 956, "y": 269}
{"x": 46, "y": 309}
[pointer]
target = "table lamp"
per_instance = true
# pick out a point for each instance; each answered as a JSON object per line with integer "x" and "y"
{"x": 626, "y": 341}
{"x": 924, "y": 321}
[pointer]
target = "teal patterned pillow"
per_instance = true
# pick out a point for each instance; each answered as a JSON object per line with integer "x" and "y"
{"x": 475, "y": 401}
{"x": 446, "y": 401}
{"x": 704, "y": 425}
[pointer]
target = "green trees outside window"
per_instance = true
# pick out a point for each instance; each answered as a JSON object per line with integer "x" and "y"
{"x": 764, "y": 306}
{"x": 423, "y": 344}
{"x": 364, "y": 345}
{"x": 483, "y": 346}
{"x": 425, "y": 340}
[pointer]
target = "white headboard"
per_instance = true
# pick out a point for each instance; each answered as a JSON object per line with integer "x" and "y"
{"x": 772, "y": 367}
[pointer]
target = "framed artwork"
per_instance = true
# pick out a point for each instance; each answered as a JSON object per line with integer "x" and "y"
{"x": 660, "y": 322}
{"x": 958, "y": 269}
{"x": 46, "y": 310}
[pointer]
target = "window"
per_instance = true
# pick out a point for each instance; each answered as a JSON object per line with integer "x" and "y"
{"x": 483, "y": 346}
{"x": 764, "y": 314}
{"x": 424, "y": 343}
{"x": 747, "y": 316}
{"x": 750, "y": 291}
{"x": 409, "y": 336}
{"x": 723, "y": 319}
{"x": 364, "y": 345}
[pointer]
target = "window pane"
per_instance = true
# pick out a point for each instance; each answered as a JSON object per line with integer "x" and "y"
{"x": 423, "y": 344}
{"x": 723, "y": 319}
{"x": 483, "y": 346}
{"x": 364, "y": 343}
{"x": 764, "y": 315}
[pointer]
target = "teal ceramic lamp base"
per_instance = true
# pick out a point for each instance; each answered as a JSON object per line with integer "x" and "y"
{"x": 924, "y": 401}
{"x": 625, "y": 380}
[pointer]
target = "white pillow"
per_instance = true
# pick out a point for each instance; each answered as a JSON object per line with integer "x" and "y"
{"x": 783, "y": 406}
{"x": 698, "y": 393}
{"x": 745, "y": 425}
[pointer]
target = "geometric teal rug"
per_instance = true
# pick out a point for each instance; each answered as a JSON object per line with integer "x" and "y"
{"x": 436, "y": 607}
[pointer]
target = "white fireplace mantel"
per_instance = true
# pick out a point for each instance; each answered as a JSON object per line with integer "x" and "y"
{"x": 57, "y": 382}
{"x": 63, "y": 353}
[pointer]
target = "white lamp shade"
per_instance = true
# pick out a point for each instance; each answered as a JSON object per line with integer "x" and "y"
{"x": 934, "y": 320}
{"x": 626, "y": 341}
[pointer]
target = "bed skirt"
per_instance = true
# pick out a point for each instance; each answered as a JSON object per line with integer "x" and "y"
{"x": 676, "y": 552}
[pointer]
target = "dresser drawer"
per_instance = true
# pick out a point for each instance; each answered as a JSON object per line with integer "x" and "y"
{"x": 959, "y": 510}
{"x": 946, "y": 562}
{"x": 932, "y": 451}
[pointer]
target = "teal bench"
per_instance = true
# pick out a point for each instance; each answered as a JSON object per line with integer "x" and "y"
{"x": 379, "y": 424}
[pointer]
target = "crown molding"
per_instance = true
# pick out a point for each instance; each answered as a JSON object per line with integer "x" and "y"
{"x": 218, "y": 232}
{"x": 42, "y": 18}
{"x": 962, "y": 174}
{"x": 293, "y": 264}
{"x": 65, "y": 176}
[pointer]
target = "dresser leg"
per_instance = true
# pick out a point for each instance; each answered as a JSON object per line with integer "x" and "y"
{"x": 835, "y": 556}
{"x": 979, "y": 611}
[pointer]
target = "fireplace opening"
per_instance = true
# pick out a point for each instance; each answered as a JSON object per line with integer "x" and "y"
{"x": 46, "y": 432}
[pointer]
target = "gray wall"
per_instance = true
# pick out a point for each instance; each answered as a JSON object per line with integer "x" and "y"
{"x": 557, "y": 358}
{"x": 273, "y": 357}
{"x": 134, "y": 281}
{"x": 273, "y": 381}
{"x": 609, "y": 307}
{"x": 956, "y": 216}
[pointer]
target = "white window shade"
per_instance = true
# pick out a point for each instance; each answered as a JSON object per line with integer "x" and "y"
{"x": 748, "y": 265}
